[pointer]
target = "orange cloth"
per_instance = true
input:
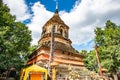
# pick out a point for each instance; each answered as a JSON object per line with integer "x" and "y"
{"x": 36, "y": 77}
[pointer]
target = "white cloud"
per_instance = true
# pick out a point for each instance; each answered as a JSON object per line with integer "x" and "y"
{"x": 88, "y": 14}
{"x": 40, "y": 16}
{"x": 18, "y": 8}
{"x": 82, "y": 19}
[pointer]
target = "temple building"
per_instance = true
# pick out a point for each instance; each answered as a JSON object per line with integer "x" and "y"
{"x": 64, "y": 54}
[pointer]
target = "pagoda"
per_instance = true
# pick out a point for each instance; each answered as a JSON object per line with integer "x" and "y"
{"x": 64, "y": 54}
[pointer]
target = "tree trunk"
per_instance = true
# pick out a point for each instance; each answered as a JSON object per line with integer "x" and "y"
{"x": 115, "y": 76}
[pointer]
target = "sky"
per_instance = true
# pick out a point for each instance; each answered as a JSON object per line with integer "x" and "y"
{"x": 82, "y": 17}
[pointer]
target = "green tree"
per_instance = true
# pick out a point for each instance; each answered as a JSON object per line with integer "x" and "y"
{"x": 108, "y": 42}
{"x": 31, "y": 49}
{"x": 15, "y": 39}
{"x": 90, "y": 60}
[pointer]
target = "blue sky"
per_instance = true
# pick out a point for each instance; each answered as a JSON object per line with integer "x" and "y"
{"x": 50, "y": 5}
{"x": 66, "y": 5}
{"x": 82, "y": 17}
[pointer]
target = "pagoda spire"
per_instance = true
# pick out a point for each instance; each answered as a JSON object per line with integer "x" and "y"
{"x": 56, "y": 11}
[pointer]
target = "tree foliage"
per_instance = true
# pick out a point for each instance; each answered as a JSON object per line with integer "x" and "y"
{"x": 14, "y": 39}
{"x": 90, "y": 60}
{"x": 108, "y": 41}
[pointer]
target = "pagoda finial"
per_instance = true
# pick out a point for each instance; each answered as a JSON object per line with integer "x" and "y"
{"x": 56, "y": 6}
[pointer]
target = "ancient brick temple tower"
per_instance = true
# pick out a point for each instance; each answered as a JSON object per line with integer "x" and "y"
{"x": 64, "y": 54}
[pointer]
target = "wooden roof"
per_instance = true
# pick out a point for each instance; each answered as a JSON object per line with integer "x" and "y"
{"x": 61, "y": 46}
{"x": 57, "y": 46}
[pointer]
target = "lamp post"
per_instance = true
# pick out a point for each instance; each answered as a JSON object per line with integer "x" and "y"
{"x": 51, "y": 51}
